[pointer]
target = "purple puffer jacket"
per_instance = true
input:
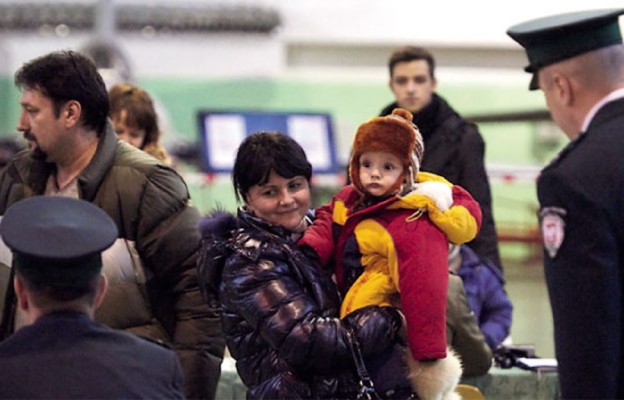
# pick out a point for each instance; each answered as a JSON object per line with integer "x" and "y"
{"x": 486, "y": 294}
{"x": 280, "y": 312}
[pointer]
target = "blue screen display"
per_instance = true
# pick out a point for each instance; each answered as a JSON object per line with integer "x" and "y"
{"x": 221, "y": 132}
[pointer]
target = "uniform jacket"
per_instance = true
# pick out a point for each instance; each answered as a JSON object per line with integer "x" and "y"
{"x": 462, "y": 331}
{"x": 455, "y": 150}
{"x": 581, "y": 195}
{"x": 280, "y": 312}
{"x": 395, "y": 247}
{"x": 486, "y": 295}
{"x": 66, "y": 355}
{"x": 153, "y": 287}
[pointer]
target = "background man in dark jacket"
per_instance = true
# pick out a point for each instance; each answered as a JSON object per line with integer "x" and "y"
{"x": 453, "y": 147}
{"x": 577, "y": 60}
{"x": 74, "y": 152}
{"x": 61, "y": 353}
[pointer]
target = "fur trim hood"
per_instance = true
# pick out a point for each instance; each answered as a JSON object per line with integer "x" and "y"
{"x": 395, "y": 134}
{"x": 216, "y": 229}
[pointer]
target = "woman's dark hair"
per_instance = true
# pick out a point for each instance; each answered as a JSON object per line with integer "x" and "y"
{"x": 67, "y": 75}
{"x": 263, "y": 152}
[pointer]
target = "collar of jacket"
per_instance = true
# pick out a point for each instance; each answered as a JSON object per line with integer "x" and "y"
{"x": 262, "y": 225}
{"x": 255, "y": 236}
{"x": 430, "y": 118}
{"x": 91, "y": 177}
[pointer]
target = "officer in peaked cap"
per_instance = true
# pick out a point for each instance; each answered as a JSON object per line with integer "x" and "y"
{"x": 577, "y": 60}
{"x": 57, "y": 240}
{"x": 551, "y": 39}
{"x": 62, "y": 352}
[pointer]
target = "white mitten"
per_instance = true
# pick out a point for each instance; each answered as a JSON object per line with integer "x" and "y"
{"x": 435, "y": 380}
{"x": 439, "y": 192}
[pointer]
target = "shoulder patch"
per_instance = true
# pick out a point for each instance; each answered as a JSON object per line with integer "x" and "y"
{"x": 552, "y": 224}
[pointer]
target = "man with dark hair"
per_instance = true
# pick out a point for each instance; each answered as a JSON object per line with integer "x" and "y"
{"x": 73, "y": 151}
{"x": 577, "y": 60}
{"x": 61, "y": 353}
{"x": 454, "y": 147}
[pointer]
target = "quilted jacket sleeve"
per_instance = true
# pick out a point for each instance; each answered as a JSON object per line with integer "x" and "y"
{"x": 496, "y": 309}
{"x": 460, "y": 222}
{"x": 319, "y": 236}
{"x": 269, "y": 297}
{"x": 168, "y": 241}
{"x": 423, "y": 282}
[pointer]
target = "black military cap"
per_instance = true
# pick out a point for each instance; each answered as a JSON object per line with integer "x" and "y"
{"x": 558, "y": 37}
{"x": 57, "y": 240}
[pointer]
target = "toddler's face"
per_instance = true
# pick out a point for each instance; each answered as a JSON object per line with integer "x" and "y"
{"x": 379, "y": 171}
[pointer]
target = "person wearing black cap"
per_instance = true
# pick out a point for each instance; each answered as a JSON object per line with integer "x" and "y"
{"x": 577, "y": 60}
{"x": 73, "y": 151}
{"x": 62, "y": 353}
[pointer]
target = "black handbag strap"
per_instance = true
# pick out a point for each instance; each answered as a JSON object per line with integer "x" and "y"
{"x": 367, "y": 387}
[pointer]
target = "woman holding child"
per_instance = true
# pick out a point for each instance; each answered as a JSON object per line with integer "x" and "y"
{"x": 280, "y": 311}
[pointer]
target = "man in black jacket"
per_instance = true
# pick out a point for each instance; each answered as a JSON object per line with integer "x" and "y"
{"x": 453, "y": 147}
{"x": 577, "y": 60}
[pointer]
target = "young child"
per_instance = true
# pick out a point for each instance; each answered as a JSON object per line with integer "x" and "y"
{"x": 387, "y": 237}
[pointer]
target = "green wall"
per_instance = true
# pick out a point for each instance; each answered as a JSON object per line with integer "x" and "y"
{"x": 353, "y": 103}
{"x": 8, "y": 106}
{"x": 350, "y": 103}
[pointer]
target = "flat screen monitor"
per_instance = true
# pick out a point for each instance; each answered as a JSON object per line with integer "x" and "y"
{"x": 222, "y": 132}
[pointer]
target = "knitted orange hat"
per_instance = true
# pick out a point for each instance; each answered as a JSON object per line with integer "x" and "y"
{"x": 395, "y": 134}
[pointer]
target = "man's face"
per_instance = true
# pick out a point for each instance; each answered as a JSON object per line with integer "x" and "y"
{"x": 412, "y": 85}
{"x": 41, "y": 128}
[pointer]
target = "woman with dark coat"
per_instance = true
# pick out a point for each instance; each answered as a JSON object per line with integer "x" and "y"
{"x": 279, "y": 310}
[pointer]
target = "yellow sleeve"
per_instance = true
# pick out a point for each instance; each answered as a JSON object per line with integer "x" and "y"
{"x": 379, "y": 281}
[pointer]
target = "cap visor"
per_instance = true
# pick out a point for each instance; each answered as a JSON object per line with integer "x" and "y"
{"x": 534, "y": 84}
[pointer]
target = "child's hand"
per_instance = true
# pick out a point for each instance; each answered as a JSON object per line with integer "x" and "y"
{"x": 439, "y": 192}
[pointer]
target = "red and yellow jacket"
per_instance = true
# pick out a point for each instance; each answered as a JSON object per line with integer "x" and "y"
{"x": 397, "y": 246}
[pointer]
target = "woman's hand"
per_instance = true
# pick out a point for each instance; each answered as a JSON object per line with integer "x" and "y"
{"x": 376, "y": 328}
